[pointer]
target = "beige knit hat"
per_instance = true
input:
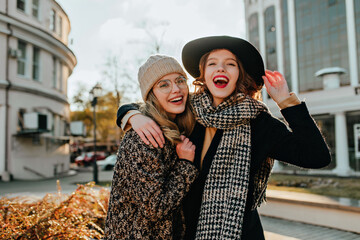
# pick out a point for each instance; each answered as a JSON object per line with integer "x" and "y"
{"x": 155, "y": 68}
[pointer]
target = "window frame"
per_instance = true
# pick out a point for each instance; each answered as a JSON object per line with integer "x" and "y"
{"x": 35, "y": 6}
{"x": 23, "y": 58}
{"x": 36, "y": 64}
{"x": 18, "y": 2}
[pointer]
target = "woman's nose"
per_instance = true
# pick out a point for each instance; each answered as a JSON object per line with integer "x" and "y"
{"x": 175, "y": 87}
{"x": 221, "y": 68}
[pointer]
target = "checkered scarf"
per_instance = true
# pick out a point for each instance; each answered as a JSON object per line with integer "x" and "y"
{"x": 226, "y": 188}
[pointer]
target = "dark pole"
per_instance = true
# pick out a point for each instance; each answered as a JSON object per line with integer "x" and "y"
{"x": 95, "y": 169}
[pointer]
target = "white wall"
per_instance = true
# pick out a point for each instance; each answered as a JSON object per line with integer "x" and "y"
{"x": 2, "y": 132}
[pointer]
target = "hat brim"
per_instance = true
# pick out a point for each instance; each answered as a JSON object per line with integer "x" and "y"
{"x": 245, "y": 51}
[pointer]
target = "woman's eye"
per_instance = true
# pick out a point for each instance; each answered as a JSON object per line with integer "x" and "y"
{"x": 163, "y": 84}
{"x": 232, "y": 64}
{"x": 211, "y": 64}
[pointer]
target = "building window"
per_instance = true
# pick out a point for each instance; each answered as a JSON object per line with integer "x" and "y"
{"x": 20, "y": 126}
{"x": 53, "y": 20}
{"x": 54, "y": 73}
{"x": 61, "y": 77}
{"x": 352, "y": 118}
{"x": 254, "y": 30}
{"x": 321, "y": 36}
{"x": 35, "y": 8}
{"x": 326, "y": 124}
{"x": 20, "y": 4}
{"x": 21, "y": 60}
{"x": 59, "y": 26}
{"x": 270, "y": 38}
{"x": 36, "y": 64}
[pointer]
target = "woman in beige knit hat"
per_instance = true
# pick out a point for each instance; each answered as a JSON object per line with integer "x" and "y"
{"x": 236, "y": 137}
{"x": 150, "y": 183}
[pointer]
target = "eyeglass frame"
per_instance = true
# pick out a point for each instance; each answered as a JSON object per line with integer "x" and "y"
{"x": 168, "y": 89}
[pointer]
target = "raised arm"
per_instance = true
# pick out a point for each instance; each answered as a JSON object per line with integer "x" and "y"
{"x": 128, "y": 116}
{"x": 303, "y": 145}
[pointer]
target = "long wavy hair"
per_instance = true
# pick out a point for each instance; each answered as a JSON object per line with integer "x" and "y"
{"x": 183, "y": 124}
{"x": 244, "y": 84}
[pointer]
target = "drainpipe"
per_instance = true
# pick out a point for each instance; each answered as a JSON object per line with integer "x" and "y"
{"x": 6, "y": 174}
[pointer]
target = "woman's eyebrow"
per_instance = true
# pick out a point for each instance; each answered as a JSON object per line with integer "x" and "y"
{"x": 225, "y": 59}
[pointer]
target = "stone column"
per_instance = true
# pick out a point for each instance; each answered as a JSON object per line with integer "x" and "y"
{"x": 293, "y": 46}
{"x": 351, "y": 36}
{"x": 262, "y": 43}
{"x": 342, "y": 152}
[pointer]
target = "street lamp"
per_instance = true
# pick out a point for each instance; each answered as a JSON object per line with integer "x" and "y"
{"x": 95, "y": 92}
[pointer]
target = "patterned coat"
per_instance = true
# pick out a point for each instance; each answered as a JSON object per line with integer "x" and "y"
{"x": 148, "y": 187}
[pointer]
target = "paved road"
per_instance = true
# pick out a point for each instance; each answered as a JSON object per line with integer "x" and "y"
{"x": 278, "y": 229}
{"x": 275, "y": 229}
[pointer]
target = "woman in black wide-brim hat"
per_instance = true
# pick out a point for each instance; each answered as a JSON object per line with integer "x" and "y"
{"x": 236, "y": 137}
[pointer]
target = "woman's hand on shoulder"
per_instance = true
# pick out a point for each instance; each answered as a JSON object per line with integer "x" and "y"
{"x": 147, "y": 129}
{"x": 276, "y": 86}
{"x": 185, "y": 149}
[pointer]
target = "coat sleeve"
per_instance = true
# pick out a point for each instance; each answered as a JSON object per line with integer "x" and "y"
{"x": 301, "y": 142}
{"x": 141, "y": 179}
{"x": 121, "y": 112}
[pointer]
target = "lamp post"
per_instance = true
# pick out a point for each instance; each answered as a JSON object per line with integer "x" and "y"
{"x": 95, "y": 92}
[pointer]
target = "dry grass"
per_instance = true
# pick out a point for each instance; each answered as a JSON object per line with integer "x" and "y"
{"x": 80, "y": 215}
{"x": 329, "y": 186}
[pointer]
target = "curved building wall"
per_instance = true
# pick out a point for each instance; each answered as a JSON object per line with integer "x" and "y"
{"x": 35, "y": 63}
{"x": 300, "y": 38}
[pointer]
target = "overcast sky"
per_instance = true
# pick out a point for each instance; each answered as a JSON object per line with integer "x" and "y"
{"x": 127, "y": 28}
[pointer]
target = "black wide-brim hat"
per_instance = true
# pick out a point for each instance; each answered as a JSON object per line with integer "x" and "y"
{"x": 245, "y": 51}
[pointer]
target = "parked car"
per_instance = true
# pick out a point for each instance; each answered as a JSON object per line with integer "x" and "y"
{"x": 108, "y": 163}
{"x": 79, "y": 160}
{"x": 85, "y": 159}
{"x": 89, "y": 157}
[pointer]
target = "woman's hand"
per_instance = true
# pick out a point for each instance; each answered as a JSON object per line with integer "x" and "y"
{"x": 185, "y": 149}
{"x": 276, "y": 86}
{"x": 147, "y": 129}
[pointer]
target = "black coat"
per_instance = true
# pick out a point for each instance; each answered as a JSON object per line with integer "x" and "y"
{"x": 302, "y": 146}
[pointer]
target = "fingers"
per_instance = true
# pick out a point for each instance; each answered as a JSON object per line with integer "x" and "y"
{"x": 160, "y": 137}
{"x": 155, "y": 136}
{"x": 150, "y": 137}
{"x": 148, "y": 130}
{"x": 142, "y": 136}
{"x": 271, "y": 77}
{"x": 276, "y": 86}
{"x": 186, "y": 149}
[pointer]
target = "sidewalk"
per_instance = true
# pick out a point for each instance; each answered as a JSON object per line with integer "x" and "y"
{"x": 330, "y": 212}
{"x": 279, "y": 229}
{"x": 41, "y": 187}
{"x": 275, "y": 228}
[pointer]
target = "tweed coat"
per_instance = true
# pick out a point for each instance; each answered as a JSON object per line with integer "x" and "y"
{"x": 147, "y": 190}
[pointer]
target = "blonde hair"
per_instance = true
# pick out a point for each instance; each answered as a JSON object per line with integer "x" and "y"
{"x": 244, "y": 84}
{"x": 183, "y": 124}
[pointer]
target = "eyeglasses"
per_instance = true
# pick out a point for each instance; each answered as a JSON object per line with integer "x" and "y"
{"x": 166, "y": 85}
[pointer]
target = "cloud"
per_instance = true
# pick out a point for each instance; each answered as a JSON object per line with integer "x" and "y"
{"x": 131, "y": 29}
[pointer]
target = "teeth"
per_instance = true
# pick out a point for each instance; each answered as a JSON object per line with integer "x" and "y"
{"x": 220, "y": 79}
{"x": 176, "y": 99}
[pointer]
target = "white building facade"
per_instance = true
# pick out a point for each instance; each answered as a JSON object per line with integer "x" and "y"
{"x": 35, "y": 63}
{"x": 316, "y": 45}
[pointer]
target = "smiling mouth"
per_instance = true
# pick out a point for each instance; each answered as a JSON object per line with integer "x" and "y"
{"x": 221, "y": 82}
{"x": 176, "y": 100}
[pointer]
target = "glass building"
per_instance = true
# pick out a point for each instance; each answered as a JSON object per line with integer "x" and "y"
{"x": 316, "y": 45}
